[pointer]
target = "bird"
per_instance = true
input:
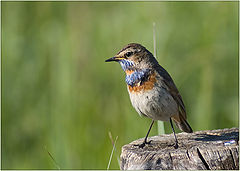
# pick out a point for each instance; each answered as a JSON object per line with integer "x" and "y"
{"x": 151, "y": 89}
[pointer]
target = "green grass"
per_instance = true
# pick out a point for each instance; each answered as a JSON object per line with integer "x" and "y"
{"x": 58, "y": 93}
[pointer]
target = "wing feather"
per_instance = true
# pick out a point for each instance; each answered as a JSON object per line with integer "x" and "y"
{"x": 171, "y": 87}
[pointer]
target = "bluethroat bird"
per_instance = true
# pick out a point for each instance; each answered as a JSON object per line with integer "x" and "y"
{"x": 151, "y": 89}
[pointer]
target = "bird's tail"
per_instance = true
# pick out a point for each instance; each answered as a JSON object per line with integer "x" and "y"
{"x": 182, "y": 123}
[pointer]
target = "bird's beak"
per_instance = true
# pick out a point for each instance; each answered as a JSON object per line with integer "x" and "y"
{"x": 115, "y": 58}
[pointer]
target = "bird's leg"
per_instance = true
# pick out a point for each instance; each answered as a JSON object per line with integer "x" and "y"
{"x": 176, "y": 141}
{"x": 145, "y": 139}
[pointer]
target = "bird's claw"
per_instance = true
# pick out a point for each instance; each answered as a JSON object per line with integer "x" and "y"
{"x": 143, "y": 144}
{"x": 176, "y": 146}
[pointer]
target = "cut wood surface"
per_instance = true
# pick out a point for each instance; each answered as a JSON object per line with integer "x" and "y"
{"x": 201, "y": 150}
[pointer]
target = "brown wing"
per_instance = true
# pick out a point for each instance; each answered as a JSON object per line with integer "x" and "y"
{"x": 172, "y": 89}
{"x": 180, "y": 117}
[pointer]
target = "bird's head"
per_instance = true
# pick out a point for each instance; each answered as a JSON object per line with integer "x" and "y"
{"x": 134, "y": 57}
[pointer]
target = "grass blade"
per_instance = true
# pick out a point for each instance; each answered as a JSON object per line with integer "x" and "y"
{"x": 113, "y": 149}
{"x": 160, "y": 124}
{"x": 54, "y": 161}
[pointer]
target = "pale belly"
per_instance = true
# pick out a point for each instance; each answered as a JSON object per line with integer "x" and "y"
{"x": 156, "y": 103}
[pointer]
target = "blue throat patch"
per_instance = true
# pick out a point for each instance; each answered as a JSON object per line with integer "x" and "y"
{"x": 137, "y": 76}
{"x": 126, "y": 64}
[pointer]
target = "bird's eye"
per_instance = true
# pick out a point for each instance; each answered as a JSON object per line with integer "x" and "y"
{"x": 128, "y": 54}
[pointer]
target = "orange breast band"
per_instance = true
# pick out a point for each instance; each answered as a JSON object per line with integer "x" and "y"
{"x": 146, "y": 85}
{"x": 129, "y": 72}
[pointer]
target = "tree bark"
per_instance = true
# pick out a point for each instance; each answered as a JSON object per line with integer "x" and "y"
{"x": 201, "y": 150}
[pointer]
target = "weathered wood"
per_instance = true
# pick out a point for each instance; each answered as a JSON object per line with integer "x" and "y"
{"x": 214, "y": 149}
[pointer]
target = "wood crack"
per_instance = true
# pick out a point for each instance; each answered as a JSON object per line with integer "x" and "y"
{"x": 202, "y": 159}
{"x": 232, "y": 158}
{"x": 220, "y": 158}
{"x": 188, "y": 155}
{"x": 171, "y": 159}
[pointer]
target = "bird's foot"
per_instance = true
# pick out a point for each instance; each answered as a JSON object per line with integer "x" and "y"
{"x": 176, "y": 145}
{"x": 143, "y": 144}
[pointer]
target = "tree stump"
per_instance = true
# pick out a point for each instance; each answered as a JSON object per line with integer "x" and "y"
{"x": 201, "y": 150}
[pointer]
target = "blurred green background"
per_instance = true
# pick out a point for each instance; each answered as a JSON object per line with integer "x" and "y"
{"x": 59, "y": 96}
